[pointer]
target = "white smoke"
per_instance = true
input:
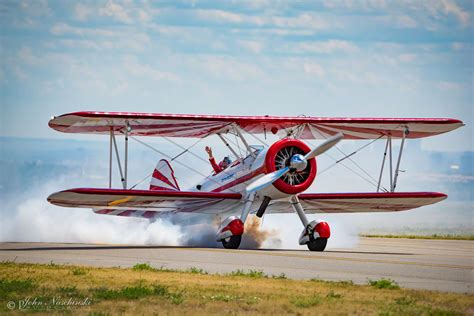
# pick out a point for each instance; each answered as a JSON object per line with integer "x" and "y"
{"x": 35, "y": 220}
{"x": 289, "y": 228}
{"x": 29, "y": 217}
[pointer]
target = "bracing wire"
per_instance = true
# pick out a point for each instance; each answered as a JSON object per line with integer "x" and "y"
{"x": 238, "y": 145}
{"x": 261, "y": 141}
{"x": 372, "y": 180}
{"x": 161, "y": 153}
{"x": 175, "y": 158}
{"x": 186, "y": 149}
{"x": 346, "y": 156}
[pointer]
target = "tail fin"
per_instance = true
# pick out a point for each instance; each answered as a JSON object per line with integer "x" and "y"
{"x": 163, "y": 177}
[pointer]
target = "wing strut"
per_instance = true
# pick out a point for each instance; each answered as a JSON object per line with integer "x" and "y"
{"x": 383, "y": 164}
{"x": 249, "y": 149}
{"x": 397, "y": 169}
{"x": 124, "y": 182}
{"x": 228, "y": 146}
{"x": 127, "y": 129}
{"x": 110, "y": 158}
{"x": 393, "y": 175}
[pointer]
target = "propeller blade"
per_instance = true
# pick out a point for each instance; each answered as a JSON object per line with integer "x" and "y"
{"x": 266, "y": 180}
{"x": 330, "y": 142}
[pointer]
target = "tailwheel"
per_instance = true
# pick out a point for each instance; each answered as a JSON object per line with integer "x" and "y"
{"x": 317, "y": 244}
{"x": 232, "y": 242}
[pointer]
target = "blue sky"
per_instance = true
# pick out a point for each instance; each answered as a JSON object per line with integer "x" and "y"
{"x": 327, "y": 58}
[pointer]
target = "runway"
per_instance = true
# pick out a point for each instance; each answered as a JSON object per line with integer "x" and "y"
{"x": 443, "y": 265}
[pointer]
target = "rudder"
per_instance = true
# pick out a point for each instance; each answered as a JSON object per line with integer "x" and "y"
{"x": 163, "y": 177}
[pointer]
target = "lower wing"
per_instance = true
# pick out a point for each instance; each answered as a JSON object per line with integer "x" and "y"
{"x": 146, "y": 203}
{"x": 359, "y": 202}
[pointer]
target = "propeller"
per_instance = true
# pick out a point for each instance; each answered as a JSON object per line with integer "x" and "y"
{"x": 297, "y": 163}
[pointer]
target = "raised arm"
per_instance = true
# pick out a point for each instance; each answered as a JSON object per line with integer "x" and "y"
{"x": 214, "y": 165}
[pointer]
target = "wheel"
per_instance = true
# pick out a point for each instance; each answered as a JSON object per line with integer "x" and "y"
{"x": 232, "y": 242}
{"x": 317, "y": 244}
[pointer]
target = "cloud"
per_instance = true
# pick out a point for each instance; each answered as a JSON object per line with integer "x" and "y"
{"x": 26, "y": 56}
{"x": 225, "y": 16}
{"x": 423, "y": 11}
{"x": 450, "y": 7}
{"x": 449, "y": 86}
{"x": 444, "y": 178}
{"x": 406, "y": 21}
{"x": 252, "y": 46}
{"x": 144, "y": 16}
{"x": 135, "y": 68}
{"x": 229, "y": 68}
{"x": 314, "y": 69}
{"x": 327, "y": 47}
{"x": 305, "y": 20}
{"x": 82, "y": 12}
{"x": 356, "y": 4}
{"x": 407, "y": 57}
{"x": 63, "y": 28}
{"x": 101, "y": 39}
{"x": 116, "y": 11}
{"x": 37, "y": 8}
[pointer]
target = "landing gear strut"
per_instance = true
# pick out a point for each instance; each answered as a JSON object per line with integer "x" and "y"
{"x": 231, "y": 230}
{"x": 315, "y": 233}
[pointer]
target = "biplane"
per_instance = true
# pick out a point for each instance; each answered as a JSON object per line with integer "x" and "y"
{"x": 264, "y": 179}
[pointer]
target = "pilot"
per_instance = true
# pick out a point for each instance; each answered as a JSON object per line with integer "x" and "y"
{"x": 217, "y": 167}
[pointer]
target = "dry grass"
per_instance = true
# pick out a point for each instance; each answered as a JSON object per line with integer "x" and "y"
{"x": 146, "y": 290}
{"x": 434, "y": 236}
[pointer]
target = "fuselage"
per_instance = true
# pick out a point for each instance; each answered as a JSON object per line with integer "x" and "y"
{"x": 236, "y": 177}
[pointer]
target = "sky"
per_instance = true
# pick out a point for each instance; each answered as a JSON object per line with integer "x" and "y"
{"x": 369, "y": 58}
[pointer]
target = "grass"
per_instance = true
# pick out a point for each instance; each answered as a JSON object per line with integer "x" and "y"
{"x": 255, "y": 274}
{"x": 78, "y": 271}
{"x": 10, "y": 288}
{"x": 434, "y": 236}
{"x": 143, "y": 267}
{"x": 307, "y": 301}
{"x": 384, "y": 284}
{"x": 144, "y": 290}
{"x": 195, "y": 270}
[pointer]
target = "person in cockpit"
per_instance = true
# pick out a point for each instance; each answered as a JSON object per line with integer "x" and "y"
{"x": 217, "y": 167}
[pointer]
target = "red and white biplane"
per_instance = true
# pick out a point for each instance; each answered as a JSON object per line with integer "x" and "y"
{"x": 270, "y": 179}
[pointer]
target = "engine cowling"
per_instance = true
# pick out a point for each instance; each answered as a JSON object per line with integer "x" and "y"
{"x": 278, "y": 156}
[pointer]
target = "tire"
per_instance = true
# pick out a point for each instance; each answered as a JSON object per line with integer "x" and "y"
{"x": 232, "y": 242}
{"x": 318, "y": 244}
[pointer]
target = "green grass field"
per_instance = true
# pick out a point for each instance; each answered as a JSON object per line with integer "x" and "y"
{"x": 144, "y": 290}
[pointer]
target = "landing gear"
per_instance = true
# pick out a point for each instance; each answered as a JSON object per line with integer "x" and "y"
{"x": 316, "y": 233}
{"x": 232, "y": 242}
{"x": 318, "y": 244}
{"x": 231, "y": 229}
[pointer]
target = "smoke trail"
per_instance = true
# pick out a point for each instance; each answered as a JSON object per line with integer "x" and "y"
{"x": 256, "y": 236}
{"x": 35, "y": 220}
{"x": 343, "y": 233}
{"x": 29, "y": 217}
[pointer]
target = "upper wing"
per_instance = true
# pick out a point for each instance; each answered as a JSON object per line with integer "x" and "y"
{"x": 115, "y": 201}
{"x": 183, "y": 125}
{"x": 359, "y": 202}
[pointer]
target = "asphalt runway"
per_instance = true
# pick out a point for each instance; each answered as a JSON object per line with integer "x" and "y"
{"x": 444, "y": 265}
